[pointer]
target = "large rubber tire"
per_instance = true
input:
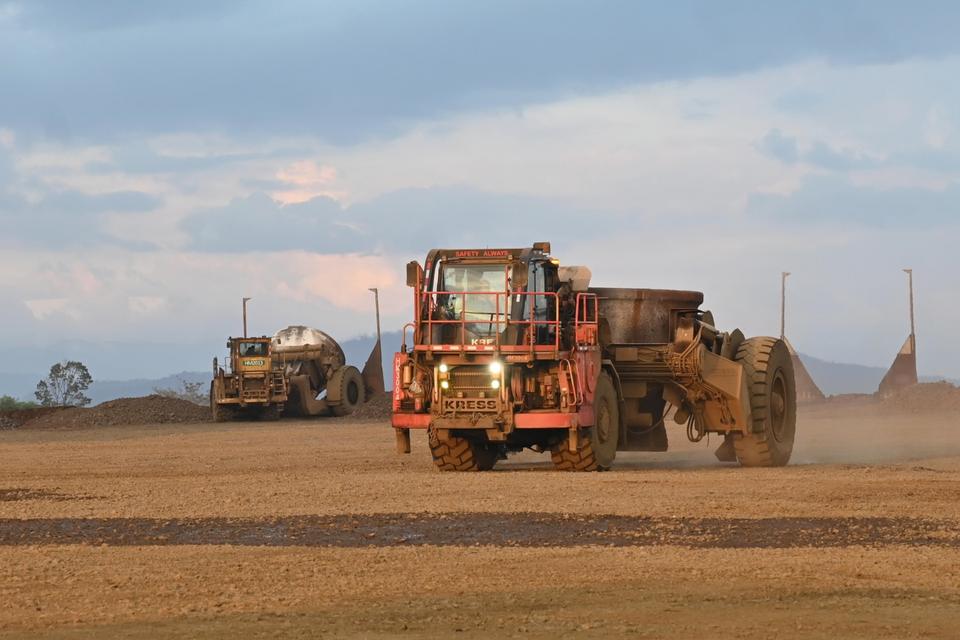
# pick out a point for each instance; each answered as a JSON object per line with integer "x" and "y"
{"x": 461, "y": 454}
{"x": 580, "y": 460}
{"x": 352, "y": 392}
{"x": 773, "y": 403}
{"x": 218, "y": 412}
{"x": 597, "y": 446}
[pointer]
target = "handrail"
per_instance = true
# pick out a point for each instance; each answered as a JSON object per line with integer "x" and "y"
{"x": 403, "y": 336}
{"x": 584, "y": 328}
{"x": 498, "y": 318}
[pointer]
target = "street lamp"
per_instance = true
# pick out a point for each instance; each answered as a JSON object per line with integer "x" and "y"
{"x": 376, "y": 301}
{"x": 245, "y": 300}
{"x": 783, "y": 303}
{"x": 913, "y": 327}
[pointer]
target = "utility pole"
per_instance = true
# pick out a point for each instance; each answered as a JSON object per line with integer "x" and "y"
{"x": 783, "y": 304}
{"x": 913, "y": 326}
{"x": 376, "y": 301}
{"x": 245, "y": 300}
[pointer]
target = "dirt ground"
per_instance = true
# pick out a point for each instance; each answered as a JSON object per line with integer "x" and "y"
{"x": 318, "y": 529}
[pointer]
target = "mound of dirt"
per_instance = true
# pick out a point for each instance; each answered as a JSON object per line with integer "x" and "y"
{"x": 931, "y": 396}
{"x": 20, "y": 417}
{"x": 378, "y": 407}
{"x": 125, "y": 411}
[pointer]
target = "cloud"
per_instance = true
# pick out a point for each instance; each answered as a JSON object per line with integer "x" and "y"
{"x": 825, "y": 156}
{"x": 66, "y": 218}
{"x": 36, "y": 211}
{"x": 306, "y": 179}
{"x": 713, "y": 182}
{"x": 819, "y": 154}
{"x": 348, "y": 72}
{"x": 400, "y": 221}
{"x": 46, "y": 307}
{"x": 143, "y": 305}
{"x": 189, "y": 296}
{"x": 259, "y": 223}
{"x": 105, "y": 15}
{"x": 835, "y": 201}
{"x": 779, "y": 146}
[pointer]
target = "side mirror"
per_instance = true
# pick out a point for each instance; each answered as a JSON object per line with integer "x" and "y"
{"x": 414, "y": 273}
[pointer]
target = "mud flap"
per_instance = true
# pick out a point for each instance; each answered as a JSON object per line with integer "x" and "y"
{"x": 725, "y": 452}
{"x": 302, "y": 401}
{"x": 372, "y": 373}
{"x": 403, "y": 440}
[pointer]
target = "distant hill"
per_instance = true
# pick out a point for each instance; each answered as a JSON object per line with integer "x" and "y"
{"x": 835, "y": 378}
{"x": 832, "y": 377}
{"x": 103, "y": 390}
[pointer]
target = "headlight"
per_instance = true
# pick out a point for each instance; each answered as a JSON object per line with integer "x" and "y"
{"x": 443, "y": 367}
{"x": 495, "y": 367}
{"x": 495, "y": 384}
{"x": 444, "y": 384}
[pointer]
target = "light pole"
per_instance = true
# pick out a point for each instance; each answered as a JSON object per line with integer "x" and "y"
{"x": 376, "y": 302}
{"x": 783, "y": 303}
{"x": 913, "y": 326}
{"x": 245, "y": 300}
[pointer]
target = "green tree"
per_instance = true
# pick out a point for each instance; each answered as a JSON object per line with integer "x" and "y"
{"x": 9, "y": 403}
{"x": 64, "y": 386}
{"x": 195, "y": 392}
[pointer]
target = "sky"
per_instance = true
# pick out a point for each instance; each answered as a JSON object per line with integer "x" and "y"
{"x": 160, "y": 161}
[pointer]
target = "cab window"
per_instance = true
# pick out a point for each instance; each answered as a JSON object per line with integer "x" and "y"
{"x": 253, "y": 349}
{"x": 543, "y": 276}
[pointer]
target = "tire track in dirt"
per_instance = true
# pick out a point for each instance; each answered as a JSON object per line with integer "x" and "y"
{"x": 473, "y": 529}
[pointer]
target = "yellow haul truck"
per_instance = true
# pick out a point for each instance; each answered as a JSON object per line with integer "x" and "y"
{"x": 254, "y": 384}
{"x": 299, "y": 371}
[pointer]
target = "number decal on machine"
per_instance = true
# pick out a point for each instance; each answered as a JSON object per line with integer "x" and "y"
{"x": 469, "y": 404}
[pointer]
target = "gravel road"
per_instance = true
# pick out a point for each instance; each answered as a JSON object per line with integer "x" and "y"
{"x": 306, "y": 529}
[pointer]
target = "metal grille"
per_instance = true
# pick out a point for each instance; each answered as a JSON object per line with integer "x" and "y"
{"x": 470, "y": 379}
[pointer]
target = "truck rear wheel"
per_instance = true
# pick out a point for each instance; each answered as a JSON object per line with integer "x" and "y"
{"x": 351, "y": 391}
{"x": 461, "y": 454}
{"x": 597, "y": 446}
{"x": 773, "y": 403}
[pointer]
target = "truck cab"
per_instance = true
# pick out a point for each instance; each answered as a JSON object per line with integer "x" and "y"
{"x": 250, "y": 357}
{"x": 495, "y": 353}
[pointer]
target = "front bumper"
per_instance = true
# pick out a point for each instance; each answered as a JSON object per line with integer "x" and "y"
{"x": 533, "y": 420}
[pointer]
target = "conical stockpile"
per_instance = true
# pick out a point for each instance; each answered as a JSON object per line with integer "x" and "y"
{"x": 903, "y": 372}
{"x": 807, "y": 389}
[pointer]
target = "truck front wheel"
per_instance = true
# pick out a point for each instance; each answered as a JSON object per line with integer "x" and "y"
{"x": 461, "y": 454}
{"x": 218, "y": 412}
{"x": 597, "y": 446}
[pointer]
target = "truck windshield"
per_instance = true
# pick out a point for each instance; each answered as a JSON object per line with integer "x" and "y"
{"x": 477, "y": 295}
{"x": 253, "y": 348}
